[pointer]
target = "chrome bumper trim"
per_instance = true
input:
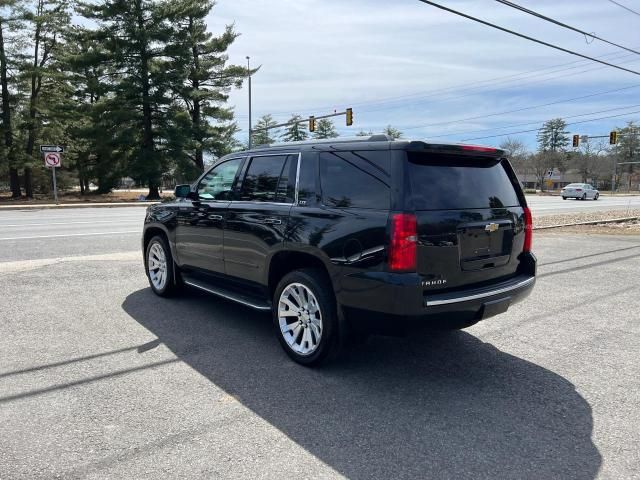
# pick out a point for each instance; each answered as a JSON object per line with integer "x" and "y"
{"x": 490, "y": 293}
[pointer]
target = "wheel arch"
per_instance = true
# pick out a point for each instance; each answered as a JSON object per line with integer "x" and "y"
{"x": 153, "y": 229}
{"x": 285, "y": 261}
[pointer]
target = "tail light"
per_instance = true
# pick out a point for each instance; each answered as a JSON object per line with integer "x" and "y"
{"x": 578, "y": 189}
{"x": 528, "y": 230}
{"x": 403, "y": 248}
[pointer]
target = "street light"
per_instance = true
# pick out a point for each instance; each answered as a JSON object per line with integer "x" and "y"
{"x": 250, "y": 122}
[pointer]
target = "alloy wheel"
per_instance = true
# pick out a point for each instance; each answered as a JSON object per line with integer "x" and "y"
{"x": 300, "y": 319}
{"x": 157, "y": 265}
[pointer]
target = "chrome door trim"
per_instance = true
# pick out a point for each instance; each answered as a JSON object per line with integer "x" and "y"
{"x": 297, "y": 190}
{"x": 295, "y": 201}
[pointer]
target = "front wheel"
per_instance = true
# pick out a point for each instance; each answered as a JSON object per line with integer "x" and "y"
{"x": 305, "y": 316}
{"x": 597, "y": 196}
{"x": 160, "y": 267}
{"x": 564, "y": 198}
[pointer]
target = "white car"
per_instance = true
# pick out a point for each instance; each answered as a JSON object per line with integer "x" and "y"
{"x": 579, "y": 191}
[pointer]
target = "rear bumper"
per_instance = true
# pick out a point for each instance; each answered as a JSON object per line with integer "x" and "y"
{"x": 408, "y": 303}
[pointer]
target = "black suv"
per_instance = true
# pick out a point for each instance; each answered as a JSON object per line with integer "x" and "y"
{"x": 349, "y": 234}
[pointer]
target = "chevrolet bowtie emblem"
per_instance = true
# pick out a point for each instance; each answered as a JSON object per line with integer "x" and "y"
{"x": 492, "y": 227}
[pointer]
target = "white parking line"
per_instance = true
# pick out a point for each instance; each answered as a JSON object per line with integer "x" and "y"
{"x": 129, "y": 232}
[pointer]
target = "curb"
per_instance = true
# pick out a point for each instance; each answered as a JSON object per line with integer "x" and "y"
{"x": 591, "y": 222}
{"x": 48, "y": 206}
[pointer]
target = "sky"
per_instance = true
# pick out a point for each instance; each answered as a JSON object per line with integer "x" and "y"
{"x": 432, "y": 74}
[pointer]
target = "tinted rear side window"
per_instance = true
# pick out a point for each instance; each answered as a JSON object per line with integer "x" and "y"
{"x": 269, "y": 179}
{"x": 355, "y": 179}
{"x": 453, "y": 182}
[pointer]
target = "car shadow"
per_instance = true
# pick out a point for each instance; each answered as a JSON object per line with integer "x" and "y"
{"x": 424, "y": 406}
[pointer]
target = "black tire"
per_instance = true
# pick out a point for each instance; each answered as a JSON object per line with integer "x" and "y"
{"x": 319, "y": 285}
{"x": 564, "y": 198}
{"x": 584, "y": 196}
{"x": 172, "y": 282}
{"x": 597, "y": 196}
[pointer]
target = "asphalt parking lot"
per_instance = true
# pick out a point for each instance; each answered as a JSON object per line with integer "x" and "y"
{"x": 101, "y": 379}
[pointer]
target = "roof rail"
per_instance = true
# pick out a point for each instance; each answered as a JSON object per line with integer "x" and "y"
{"x": 369, "y": 138}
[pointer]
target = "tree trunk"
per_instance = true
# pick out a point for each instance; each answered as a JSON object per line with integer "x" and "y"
{"x": 147, "y": 120}
{"x": 154, "y": 193}
{"x": 35, "y": 88}
{"x": 14, "y": 179}
{"x": 196, "y": 116}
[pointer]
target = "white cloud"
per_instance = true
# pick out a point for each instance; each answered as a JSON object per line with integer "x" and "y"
{"x": 320, "y": 55}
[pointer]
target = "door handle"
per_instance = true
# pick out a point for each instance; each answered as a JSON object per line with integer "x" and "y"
{"x": 215, "y": 217}
{"x": 272, "y": 221}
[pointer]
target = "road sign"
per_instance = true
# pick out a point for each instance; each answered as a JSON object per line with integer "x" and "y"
{"x": 553, "y": 175}
{"x": 52, "y": 160}
{"x": 52, "y": 148}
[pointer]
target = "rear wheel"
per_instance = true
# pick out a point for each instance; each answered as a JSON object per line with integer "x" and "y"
{"x": 305, "y": 316}
{"x": 564, "y": 198}
{"x": 584, "y": 196}
{"x": 160, "y": 267}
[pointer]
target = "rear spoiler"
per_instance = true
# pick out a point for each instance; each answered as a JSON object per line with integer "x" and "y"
{"x": 456, "y": 148}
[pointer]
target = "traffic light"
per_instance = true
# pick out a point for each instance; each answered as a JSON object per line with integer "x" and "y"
{"x": 576, "y": 141}
{"x": 613, "y": 138}
{"x": 349, "y": 117}
{"x": 312, "y": 124}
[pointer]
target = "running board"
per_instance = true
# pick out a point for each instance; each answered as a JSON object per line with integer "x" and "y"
{"x": 228, "y": 294}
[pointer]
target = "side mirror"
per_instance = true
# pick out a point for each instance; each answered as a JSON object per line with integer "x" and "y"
{"x": 182, "y": 191}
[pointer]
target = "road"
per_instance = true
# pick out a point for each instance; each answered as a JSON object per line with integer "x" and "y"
{"x": 50, "y": 233}
{"x": 555, "y": 205}
{"x": 101, "y": 379}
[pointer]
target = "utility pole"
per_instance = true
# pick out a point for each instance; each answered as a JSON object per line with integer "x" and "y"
{"x": 250, "y": 120}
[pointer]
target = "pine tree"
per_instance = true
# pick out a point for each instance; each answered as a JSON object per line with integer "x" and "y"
{"x": 134, "y": 35}
{"x": 8, "y": 154}
{"x": 296, "y": 132}
{"x": 47, "y": 21}
{"x": 325, "y": 129}
{"x": 628, "y": 147}
{"x": 264, "y": 137}
{"x": 392, "y": 132}
{"x": 553, "y": 137}
{"x": 89, "y": 129}
{"x": 206, "y": 79}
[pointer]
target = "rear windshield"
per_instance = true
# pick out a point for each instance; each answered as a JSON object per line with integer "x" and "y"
{"x": 575, "y": 185}
{"x": 453, "y": 182}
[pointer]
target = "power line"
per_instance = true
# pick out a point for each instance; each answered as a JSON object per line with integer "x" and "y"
{"x": 555, "y": 102}
{"x": 476, "y": 90}
{"x": 526, "y": 37}
{"x": 468, "y": 132}
{"x": 564, "y": 25}
{"x": 468, "y": 86}
{"x": 537, "y": 129}
{"x": 625, "y": 7}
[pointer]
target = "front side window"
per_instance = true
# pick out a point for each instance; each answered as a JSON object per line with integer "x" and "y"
{"x": 270, "y": 179}
{"x": 218, "y": 183}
